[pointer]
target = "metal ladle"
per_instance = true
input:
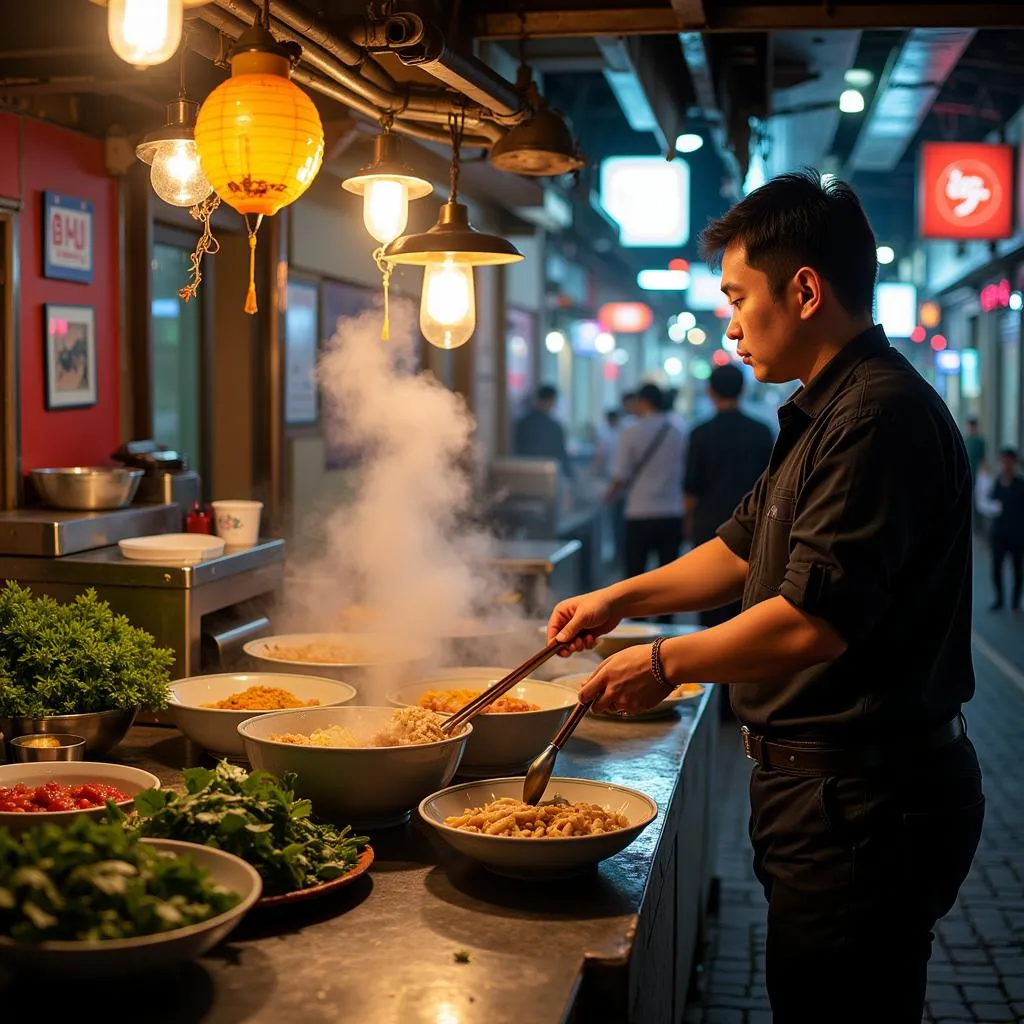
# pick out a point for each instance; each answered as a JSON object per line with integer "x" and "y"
{"x": 539, "y": 774}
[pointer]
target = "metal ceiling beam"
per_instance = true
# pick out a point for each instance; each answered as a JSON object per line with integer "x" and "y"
{"x": 568, "y": 19}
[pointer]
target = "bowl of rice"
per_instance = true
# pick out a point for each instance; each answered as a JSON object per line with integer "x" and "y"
{"x": 577, "y": 824}
{"x": 511, "y": 732}
{"x": 363, "y": 766}
{"x": 208, "y": 709}
{"x": 350, "y": 657}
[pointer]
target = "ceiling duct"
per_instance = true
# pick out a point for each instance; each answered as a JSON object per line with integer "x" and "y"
{"x": 923, "y": 64}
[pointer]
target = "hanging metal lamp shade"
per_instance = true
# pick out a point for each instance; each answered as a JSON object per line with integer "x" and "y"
{"x": 171, "y": 151}
{"x": 542, "y": 147}
{"x": 452, "y": 239}
{"x": 387, "y": 164}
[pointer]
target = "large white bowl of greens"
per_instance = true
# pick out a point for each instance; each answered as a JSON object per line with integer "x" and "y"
{"x": 94, "y": 902}
{"x": 75, "y": 667}
{"x": 257, "y": 817}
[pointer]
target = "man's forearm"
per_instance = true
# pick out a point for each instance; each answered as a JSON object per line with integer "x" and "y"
{"x": 706, "y": 577}
{"x": 772, "y": 640}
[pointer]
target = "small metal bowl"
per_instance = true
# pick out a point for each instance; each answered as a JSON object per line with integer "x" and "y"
{"x": 86, "y": 488}
{"x": 102, "y": 730}
{"x": 40, "y": 747}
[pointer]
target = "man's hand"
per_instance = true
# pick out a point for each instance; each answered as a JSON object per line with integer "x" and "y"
{"x": 582, "y": 620}
{"x": 624, "y": 683}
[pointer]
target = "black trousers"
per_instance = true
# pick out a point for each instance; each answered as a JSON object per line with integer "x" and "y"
{"x": 660, "y": 537}
{"x": 1000, "y": 550}
{"x": 857, "y": 870}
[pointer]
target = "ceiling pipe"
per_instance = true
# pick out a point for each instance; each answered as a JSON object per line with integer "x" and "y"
{"x": 327, "y": 78}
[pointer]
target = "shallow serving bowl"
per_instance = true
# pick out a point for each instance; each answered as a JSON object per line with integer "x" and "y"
{"x": 86, "y": 488}
{"x": 101, "y": 730}
{"x": 502, "y": 742}
{"x": 366, "y": 787}
{"x": 70, "y": 773}
{"x": 216, "y": 729}
{"x": 99, "y": 961}
{"x": 539, "y": 858}
{"x": 372, "y": 656}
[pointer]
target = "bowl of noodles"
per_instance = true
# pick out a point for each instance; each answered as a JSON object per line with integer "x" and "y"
{"x": 361, "y": 766}
{"x": 511, "y": 732}
{"x": 350, "y": 657}
{"x": 577, "y": 824}
{"x": 208, "y": 709}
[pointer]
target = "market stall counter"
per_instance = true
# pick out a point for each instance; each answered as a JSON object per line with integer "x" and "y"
{"x": 429, "y": 936}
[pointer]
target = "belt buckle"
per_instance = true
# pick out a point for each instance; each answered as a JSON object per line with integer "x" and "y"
{"x": 748, "y": 744}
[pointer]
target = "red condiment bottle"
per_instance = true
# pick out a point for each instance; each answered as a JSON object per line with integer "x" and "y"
{"x": 198, "y": 520}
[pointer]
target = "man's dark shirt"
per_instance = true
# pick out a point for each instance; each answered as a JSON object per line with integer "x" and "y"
{"x": 726, "y": 456}
{"x": 863, "y": 518}
{"x": 1008, "y": 526}
{"x": 540, "y": 436}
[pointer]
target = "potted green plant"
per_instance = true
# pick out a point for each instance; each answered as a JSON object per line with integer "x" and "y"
{"x": 75, "y": 668}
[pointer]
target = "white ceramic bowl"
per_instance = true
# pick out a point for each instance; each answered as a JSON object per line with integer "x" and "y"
{"x": 366, "y": 787}
{"x": 539, "y": 858}
{"x": 216, "y": 729}
{"x": 503, "y": 742}
{"x": 70, "y": 773}
{"x": 372, "y": 655}
{"x": 98, "y": 961}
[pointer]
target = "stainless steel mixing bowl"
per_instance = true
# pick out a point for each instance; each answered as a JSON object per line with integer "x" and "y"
{"x": 86, "y": 488}
{"x": 101, "y": 730}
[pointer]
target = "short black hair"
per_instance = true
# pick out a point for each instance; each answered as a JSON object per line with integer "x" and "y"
{"x": 612, "y": 415}
{"x": 726, "y": 381}
{"x": 1008, "y": 453}
{"x": 653, "y": 395}
{"x": 547, "y": 393}
{"x": 795, "y": 220}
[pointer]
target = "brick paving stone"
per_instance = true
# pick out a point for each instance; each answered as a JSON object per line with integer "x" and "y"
{"x": 979, "y": 946}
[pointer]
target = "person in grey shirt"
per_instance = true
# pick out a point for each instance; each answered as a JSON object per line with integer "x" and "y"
{"x": 539, "y": 435}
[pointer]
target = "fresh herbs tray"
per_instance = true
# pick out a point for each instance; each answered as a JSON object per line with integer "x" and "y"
{"x": 67, "y": 659}
{"x": 93, "y": 882}
{"x": 254, "y": 816}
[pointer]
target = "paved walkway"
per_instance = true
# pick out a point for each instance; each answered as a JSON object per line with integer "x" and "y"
{"x": 977, "y": 967}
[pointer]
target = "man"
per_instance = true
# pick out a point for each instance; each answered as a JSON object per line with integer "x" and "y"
{"x": 725, "y": 457}
{"x": 852, "y": 657}
{"x": 649, "y": 474}
{"x": 539, "y": 435}
{"x": 975, "y": 445}
{"x": 1007, "y": 534}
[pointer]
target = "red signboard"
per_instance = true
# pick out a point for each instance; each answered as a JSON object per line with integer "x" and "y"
{"x": 965, "y": 190}
{"x": 625, "y": 317}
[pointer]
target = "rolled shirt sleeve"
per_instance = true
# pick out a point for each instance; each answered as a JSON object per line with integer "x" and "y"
{"x": 737, "y": 531}
{"x": 855, "y": 516}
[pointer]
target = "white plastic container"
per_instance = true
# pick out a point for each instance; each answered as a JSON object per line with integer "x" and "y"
{"x": 238, "y": 522}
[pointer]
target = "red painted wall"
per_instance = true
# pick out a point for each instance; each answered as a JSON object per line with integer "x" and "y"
{"x": 56, "y": 160}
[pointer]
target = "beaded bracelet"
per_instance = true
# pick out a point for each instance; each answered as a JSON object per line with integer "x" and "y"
{"x": 657, "y": 668}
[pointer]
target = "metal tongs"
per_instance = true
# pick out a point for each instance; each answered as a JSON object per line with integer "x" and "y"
{"x": 539, "y": 774}
{"x": 492, "y": 693}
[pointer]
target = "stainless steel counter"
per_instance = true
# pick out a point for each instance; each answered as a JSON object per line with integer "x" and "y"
{"x": 614, "y": 946}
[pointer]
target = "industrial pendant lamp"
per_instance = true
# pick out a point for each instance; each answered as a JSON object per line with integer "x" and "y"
{"x": 259, "y": 135}
{"x": 144, "y": 32}
{"x": 176, "y": 176}
{"x": 448, "y": 252}
{"x": 386, "y": 185}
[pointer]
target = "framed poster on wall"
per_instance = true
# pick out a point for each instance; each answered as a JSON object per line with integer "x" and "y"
{"x": 67, "y": 238}
{"x": 69, "y": 340}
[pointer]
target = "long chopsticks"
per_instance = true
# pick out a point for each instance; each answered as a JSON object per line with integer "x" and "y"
{"x": 492, "y": 693}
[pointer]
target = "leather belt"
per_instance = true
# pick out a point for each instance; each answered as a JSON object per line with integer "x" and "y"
{"x": 815, "y": 758}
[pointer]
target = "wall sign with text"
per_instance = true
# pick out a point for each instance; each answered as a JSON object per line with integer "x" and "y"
{"x": 965, "y": 190}
{"x": 67, "y": 238}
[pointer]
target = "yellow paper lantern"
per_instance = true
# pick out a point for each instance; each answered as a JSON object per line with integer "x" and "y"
{"x": 259, "y": 135}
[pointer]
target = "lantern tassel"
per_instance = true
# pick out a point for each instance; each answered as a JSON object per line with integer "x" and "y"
{"x": 250, "y": 298}
{"x": 385, "y": 272}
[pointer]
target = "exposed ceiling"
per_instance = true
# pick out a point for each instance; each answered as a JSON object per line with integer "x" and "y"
{"x": 749, "y": 75}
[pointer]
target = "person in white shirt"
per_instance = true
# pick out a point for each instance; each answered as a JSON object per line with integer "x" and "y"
{"x": 649, "y": 472}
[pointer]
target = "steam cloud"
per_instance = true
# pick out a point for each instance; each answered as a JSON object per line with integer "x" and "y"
{"x": 406, "y": 552}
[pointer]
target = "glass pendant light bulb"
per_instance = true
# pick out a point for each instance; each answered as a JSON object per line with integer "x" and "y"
{"x": 448, "y": 304}
{"x": 176, "y": 176}
{"x": 144, "y": 32}
{"x": 385, "y": 209}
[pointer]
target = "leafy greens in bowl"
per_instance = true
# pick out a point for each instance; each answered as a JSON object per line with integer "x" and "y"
{"x": 76, "y": 658}
{"x": 254, "y": 816}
